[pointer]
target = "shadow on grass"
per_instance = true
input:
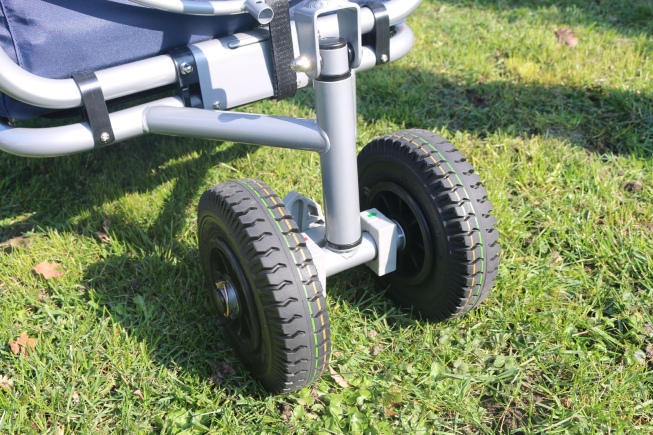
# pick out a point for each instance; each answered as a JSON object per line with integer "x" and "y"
{"x": 162, "y": 304}
{"x": 154, "y": 289}
{"x": 65, "y": 192}
{"x": 597, "y": 119}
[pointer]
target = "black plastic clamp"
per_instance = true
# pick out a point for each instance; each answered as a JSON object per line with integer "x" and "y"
{"x": 380, "y": 36}
{"x": 94, "y": 108}
{"x": 188, "y": 78}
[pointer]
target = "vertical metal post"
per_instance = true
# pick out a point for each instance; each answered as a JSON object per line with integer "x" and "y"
{"x": 335, "y": 104}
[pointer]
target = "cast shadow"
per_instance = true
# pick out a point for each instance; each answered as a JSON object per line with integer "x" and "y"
{"x": 597, "y": 119}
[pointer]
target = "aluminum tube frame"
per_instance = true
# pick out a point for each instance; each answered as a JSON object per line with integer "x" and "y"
{"x": 136, "y": 76}
{"x": 56, "y": 141}
{"x": 116, "y": 82}
{"x": 335, "y": 107}
{"x": 70, "y": 139}
{"x": 258, "y": 9}
{"x": 276, "y": 131}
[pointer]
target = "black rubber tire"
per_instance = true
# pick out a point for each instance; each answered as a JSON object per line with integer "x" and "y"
{"x": 451, "y": 258}
{"x": 247, "y": 236}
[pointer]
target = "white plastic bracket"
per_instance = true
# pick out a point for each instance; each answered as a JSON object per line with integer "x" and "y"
{"x": 386, "y": 235}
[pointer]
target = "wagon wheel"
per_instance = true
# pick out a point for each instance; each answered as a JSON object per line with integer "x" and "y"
{"x": 264, "y": 285}
{"x": 451, "y": 255}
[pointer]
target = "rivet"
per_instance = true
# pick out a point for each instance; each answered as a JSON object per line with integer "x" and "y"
{"x": 217, "y": 105}
{"x": 384, "y": 58}
{"x": 185, "y": 68}
{"x": 104, "y": 137}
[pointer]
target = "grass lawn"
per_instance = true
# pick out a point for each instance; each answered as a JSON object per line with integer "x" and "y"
{"x": 563, "y": 139}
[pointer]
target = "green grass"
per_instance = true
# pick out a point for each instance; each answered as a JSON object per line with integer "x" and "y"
{"x": 564, "y": 344}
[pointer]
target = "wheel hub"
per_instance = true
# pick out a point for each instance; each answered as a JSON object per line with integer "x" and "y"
{"x": 227, "y": 300}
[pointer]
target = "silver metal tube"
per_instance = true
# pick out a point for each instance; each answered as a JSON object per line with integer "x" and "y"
{"x": 36, "y": 90}
{"x": 69, "y": 139}
{"x": 335, "y": 106}
{"x": 336, "y": 262}
{"x": 257, "y": 8}
{"x": 138, "y": 76}
{"x": 116, "y": 82}
{"x": 277, "y": 131}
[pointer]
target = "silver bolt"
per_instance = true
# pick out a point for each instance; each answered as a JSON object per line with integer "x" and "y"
{"x": 185, "y": 68}
{"x": 217, "y": 105}
{"x": 104, "y": 137}
{"x": 302, "y": 64}
{"x": 384, "y": 58}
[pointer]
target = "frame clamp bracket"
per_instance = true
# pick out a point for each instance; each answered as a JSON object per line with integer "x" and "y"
{"x": 188, "y": 79}
{"x": 94, "y": 108}
{"x": 380, "y": 36}
{"x": 347, "y": 15}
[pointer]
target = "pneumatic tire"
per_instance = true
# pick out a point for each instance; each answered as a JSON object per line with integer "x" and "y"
{"x": 264, "y": 285}
{"x": 451, "y": 255}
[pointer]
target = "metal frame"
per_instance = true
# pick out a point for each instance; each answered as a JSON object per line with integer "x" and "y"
{"x": 257, "y": 8}
{"x": 348, "y": 237}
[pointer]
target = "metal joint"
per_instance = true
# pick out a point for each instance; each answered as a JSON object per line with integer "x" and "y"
{"x": 94, "y": 108}
{"x": 306, "y": 20}
{"x": 379, "y": 38}
{"x": 188, "y": 79}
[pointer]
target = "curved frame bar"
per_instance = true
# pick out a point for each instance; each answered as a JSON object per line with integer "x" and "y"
{"x": 64, "y": 94}
{"x": 257, "y": 8}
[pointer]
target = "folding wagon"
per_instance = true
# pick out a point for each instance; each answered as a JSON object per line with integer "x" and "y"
{"x": 409, "y": 205}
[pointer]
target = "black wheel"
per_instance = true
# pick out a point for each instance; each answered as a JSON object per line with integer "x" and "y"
{"x": 451, "y": 255}
{"x": 264, "y": 284}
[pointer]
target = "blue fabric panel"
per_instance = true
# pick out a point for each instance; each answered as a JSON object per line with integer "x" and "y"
{"x": 55, "y": 38}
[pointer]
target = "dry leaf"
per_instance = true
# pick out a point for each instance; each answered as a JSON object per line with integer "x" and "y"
{"x": 48, "y": 270}
{"x": 139, "y": 393}
{"x": 25, "y": 341}
{"x": 389, "y": 412}
{"x": 75, "y": 397}
{"x": 339, "y": 379}
{"x": 16, "y": 242}
{"x": 104, "y": 237}
{"x": 15, "y": 347}
{"x": 6, "y": 383}
{"x": 567, "y": 36}
{"x": 376, "y": 350}
{"x": 372, "y": 334}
